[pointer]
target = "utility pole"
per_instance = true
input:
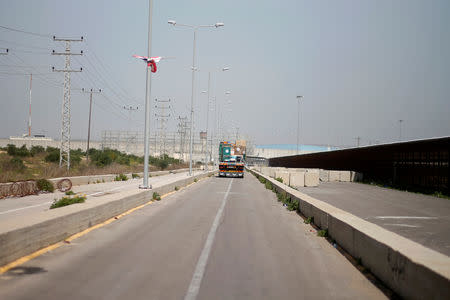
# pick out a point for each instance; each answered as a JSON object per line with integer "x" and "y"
{"x": 358, "y": 139}
{"x": 29, "y": 111}
{"x": 64, "y": 151}
{"x": 162, "y": 118}
{"x": 91, "y": 91}
{"x": 400, "y": 133}
{"x": 299, "y": 98}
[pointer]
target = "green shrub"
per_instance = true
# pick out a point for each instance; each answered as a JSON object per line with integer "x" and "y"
{"x": 162, "y": 164}
{"x": 134, "y": 175}
{"x": 14, "y": 151}
{"x": 101, "y": 158}
{"x": 268, "y": 185}
{"x": 69, "y": 193}
{"x": 16, "y": 163}
{"x": 177, "y": 188}
{"x": 45, "y": 185}
{"x": 51, "y": 149}
{"x": 156, "y": 196}
{"x": 195, "y": 179}
{"x": 11, "y": 149}
{"x": 309, "y": 220}
{"x": 292, "y": 205}
{"x": 52, "y": 156}
{"x": 322, "y": 233}
{"x": 64, "y": 201}
{"x": 121, "y": 177}
{"x": 279, "y": 179}
{"x": 36, "y": 150}
{"x": 262, "y": 179}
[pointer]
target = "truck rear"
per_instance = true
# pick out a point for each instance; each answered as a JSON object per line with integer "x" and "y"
{"x": 231, "y": 160}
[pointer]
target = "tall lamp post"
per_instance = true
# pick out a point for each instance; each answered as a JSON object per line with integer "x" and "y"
{"x": 299, "y": 98}
{"x": 191, "y": 131}
{"x": 207, "y": 114}
{"x": 148, "y": 87}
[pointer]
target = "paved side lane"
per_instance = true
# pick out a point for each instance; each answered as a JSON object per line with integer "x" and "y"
{"x": 421, "y": 218}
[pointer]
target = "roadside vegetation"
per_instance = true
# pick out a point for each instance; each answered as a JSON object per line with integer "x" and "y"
{"x": 69, "y": 199}
{"x": 21, "y": 163}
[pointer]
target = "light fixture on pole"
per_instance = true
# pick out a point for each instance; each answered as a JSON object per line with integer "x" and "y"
{"x": 195, "y": 28}
{"x": 298, "y": 120}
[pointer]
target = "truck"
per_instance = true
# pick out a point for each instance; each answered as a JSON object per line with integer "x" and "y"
{"x": 232, "y": 159}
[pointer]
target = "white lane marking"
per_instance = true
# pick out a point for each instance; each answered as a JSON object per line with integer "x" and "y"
{"x": 194, "y": 287}
{"x": 13, "y": 210}
{"x": 405, "y": 217}
{"x": 103, "y": 192}
{"x": 403, "y": 225}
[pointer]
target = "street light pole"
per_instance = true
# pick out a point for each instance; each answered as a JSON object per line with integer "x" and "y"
{"x": 191, "y": 131}
{"x": 195, "y": 28}
{"x": 298, "y": 120}
{"x": 148, "y": 87}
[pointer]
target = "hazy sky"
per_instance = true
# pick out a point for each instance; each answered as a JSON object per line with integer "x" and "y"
{"x": 360, "y": 65}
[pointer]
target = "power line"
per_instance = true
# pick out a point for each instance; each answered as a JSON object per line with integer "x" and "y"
{"x": 26, "y": 32}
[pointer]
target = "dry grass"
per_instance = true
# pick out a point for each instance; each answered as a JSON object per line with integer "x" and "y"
{"x": 37, "y": 168}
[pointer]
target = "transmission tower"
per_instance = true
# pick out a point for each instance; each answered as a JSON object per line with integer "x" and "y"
{"x": 183, "y": 126}
{"x": 162, "y": 118}
{"x": 64, "y": 151}
{"x": 131, "y": 136}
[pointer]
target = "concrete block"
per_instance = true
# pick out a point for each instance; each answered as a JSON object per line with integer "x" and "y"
{"x": 283, "y": 175}
{"x": 324, "y": 175}
{"x": 297, "y": 179}
{"x": 344, "y": 176}
{"x": 356, "y": 176}
{"x": 334, "y": 176}
{"x": 311, "y": 179}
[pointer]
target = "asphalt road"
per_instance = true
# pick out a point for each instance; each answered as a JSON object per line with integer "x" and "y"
{"x": 220, "y": 238}
{"x": 421, "y": 218}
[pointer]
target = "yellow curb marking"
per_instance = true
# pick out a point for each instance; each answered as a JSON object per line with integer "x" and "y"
{"x": 35, "y": 254}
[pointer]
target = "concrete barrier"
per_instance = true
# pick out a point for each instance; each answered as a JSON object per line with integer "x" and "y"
{"x": 311, "y": 179}
{"x": 283, "y": 175}
{"x": 82, "y": 180}
{"x": 334, "y": 176}
{"x": 297, "y": 179}
{"x": 63, "y": 222}
{"x": 324, "y": 175}
{"x": 344, "y": 176}
{"x": 356, "y": 176}
{"x": 410, "y": 269}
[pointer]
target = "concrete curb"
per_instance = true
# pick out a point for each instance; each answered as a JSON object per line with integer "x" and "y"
{"x": 23, "y": 241}
{"x": 410, "y": 269}
{"x": 81, "y": 180}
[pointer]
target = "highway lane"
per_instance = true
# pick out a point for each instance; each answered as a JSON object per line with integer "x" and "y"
{"x": 221, "y": 238}
{"x": 11, "y": 208}
{"x": 421, "y": 218}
